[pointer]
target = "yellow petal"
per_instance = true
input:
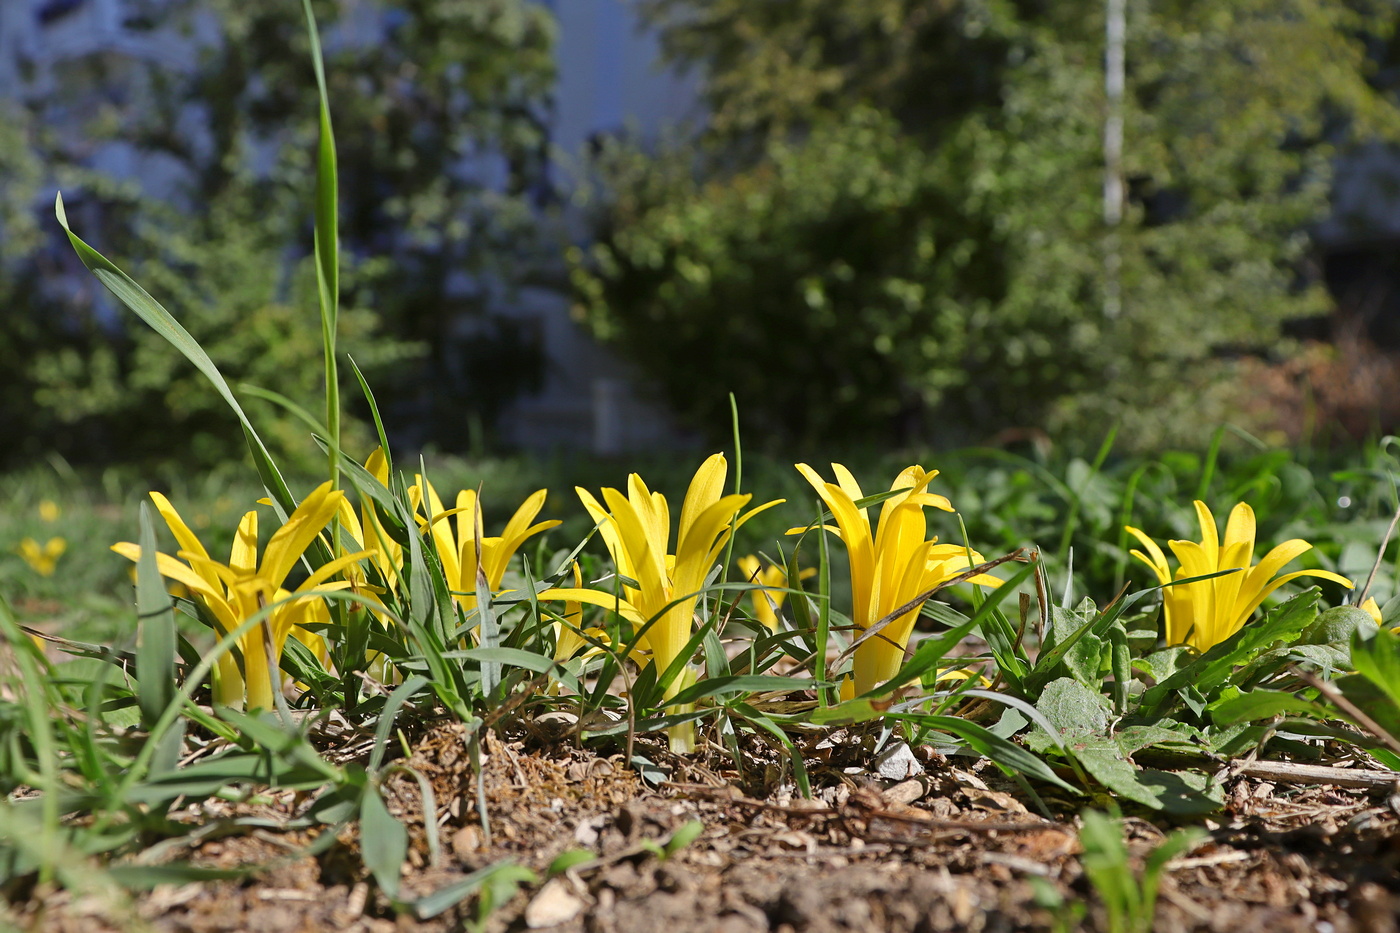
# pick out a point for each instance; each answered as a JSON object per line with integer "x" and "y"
{"x": 243, "y": 556}
{"x": 1210, "y": 535}
{"x": 1154, "y": 557}
{"x": 1239, "y": 534}
{"x": 705, "y": 489}
{"x": 292, "y": 539}
{"x": 181, "y": 531}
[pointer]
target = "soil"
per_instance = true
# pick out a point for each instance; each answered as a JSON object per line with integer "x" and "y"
{"x": 953, "y": 848}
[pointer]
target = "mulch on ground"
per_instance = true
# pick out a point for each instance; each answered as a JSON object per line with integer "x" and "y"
{"x": 952, "y": 848}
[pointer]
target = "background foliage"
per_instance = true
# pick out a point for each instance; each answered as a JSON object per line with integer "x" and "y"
{"x": 901, "y": 202}
{"x": 445, "y": 201}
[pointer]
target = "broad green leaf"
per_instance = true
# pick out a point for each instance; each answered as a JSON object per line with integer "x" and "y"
{"x": 1068, "y": 639}
{"x": 1284, "y": 623}
{"x": 1179, "y": 792}
{"x": 1261, "y": 704}
{"x": 1377, "y": 658}
{"x": 1074, "y": 710}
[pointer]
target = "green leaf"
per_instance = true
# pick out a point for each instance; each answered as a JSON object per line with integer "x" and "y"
{"x": 1179, "y": 792}
{"x": 848, "y": 712}
{"x": 1069, "y": 640}
{"x": 145, "y": 877}
{"x": 570, "y": 859}
{"x": 521, "y": 658}
{"x": 327, "y": 245}
{"x": 383, "y": 842}
{"x": 1284, "y": 623}
{"x": 684, "y": 836}
{"x": 149, "y": 310}
{"x": 1074, "y": 710}
{"x": 155, "y": 647}
{"x": 1377, "y": 658}
{"x": 396, "y": 700}
{"x": 449, "y": 896}
{"x": 1004, "y": 754}
{"x": 740, "y": 683}
{"x": 1262, "y": 704}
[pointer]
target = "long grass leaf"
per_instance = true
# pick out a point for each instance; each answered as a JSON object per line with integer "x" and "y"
{"x": 153, "y": 313}
{"x": 155, "y": 646}
{"x": 327, "y": 246}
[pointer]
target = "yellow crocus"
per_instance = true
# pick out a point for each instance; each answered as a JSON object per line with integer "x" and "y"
{"x": 368, "y": 531}
{"x": 774, "y": 580}
{"x": 42, "y": 558}
{"x": 567, "y": 640}
{"x": 892, "y": 566}
{"x": 636, "y": 529}
{"x": 1205, "y": 613}
{"x": 236, "y": 591}
{"x": 454, "y": 536}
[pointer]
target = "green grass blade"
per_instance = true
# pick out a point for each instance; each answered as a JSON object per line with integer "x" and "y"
{"x": 155, "y": 647}
{"x": 391, "y": 709}
{"x": 383, "y": 842}
{"x": 327, "y": 246}
{"x": 374, "y": 412}
{"x": 34, "y": 673}
{"x": 284, "y": 403}
{"x": 153, "y": 313}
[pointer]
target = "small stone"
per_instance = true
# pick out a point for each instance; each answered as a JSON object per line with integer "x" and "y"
{"x": 906, "y": 792}
{"x": 897, "y": 763}
{"x": 552, "y": 906}
{"x": 586, "y": 833}
{"x": 466, "y": 841}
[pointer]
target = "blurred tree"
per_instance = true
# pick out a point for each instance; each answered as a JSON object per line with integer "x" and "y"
{"x": 440, "y": 110}
{"x": 894, "y": 221}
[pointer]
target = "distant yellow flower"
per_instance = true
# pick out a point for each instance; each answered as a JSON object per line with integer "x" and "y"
{"x": 1207, "y": 612}
{"x": 636, "y": 529}
{"x": 49, "y": 510}
{"x": 767, "y": 602}
{"x": 43, "y": 559}
{"x": 891, "y": 567}
{"x": 236, "y": 591}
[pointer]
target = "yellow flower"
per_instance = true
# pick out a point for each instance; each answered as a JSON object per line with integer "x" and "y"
{"x": 457, "y": 548}
{"x": 567, "y": 633}
{"x": 43, "y": 559}
{"x": 892, "y": 566}
{"x": 368, "y": 531}
{"x": 238, "y": 590}
{"x": 1372, "y": 609}
{"x": 767, "y": 602}
{"x": 1205, "y": 613}
{"x": 636, "y": 529}
{"x": 49, "y": 510}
